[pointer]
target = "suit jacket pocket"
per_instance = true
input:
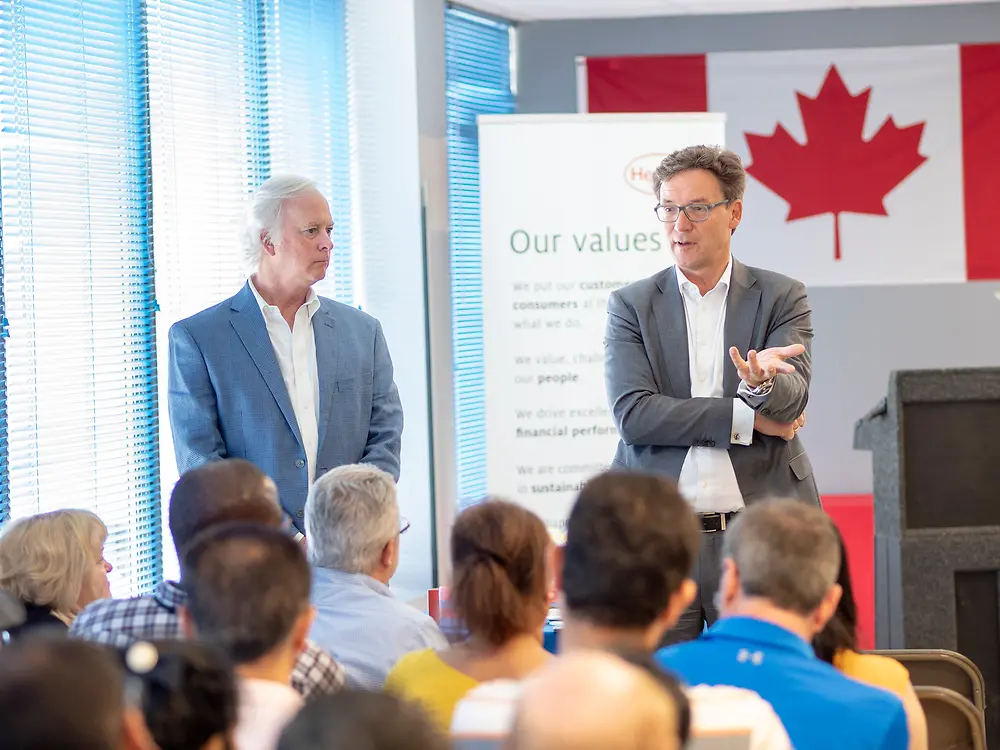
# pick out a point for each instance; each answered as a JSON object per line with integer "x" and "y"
{"x": 355, "y": 381}
{"x": 800, "y": 466}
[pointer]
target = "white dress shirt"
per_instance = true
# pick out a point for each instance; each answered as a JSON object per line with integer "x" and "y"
{"x": 264, "y": 709}
{"x": 295, "y": 350}
{"x": 707, "y": 478}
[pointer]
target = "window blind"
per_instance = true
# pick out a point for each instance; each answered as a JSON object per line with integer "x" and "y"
{"x": 208, "y": 119}
{"x": 80, "y": 379}
{"x": 308, "y": 115}
{"x": 239, "y": 89}
{"x": 478, "y": 82}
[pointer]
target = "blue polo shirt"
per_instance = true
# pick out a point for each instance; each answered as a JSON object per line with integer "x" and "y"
{"x": 820, "y": 707}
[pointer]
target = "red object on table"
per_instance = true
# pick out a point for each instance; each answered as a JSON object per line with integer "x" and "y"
{"x": 855, "y": 517}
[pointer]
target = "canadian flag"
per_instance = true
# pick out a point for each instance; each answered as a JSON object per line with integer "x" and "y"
{"x": 867, "y": 166}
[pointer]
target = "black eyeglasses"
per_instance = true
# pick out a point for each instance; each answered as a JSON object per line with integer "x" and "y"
{"x": 403, "y": 525}
{"x": 696, "y": 212}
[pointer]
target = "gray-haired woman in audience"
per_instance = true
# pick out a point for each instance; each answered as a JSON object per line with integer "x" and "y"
{"x": 54, "y": 564}
{"x": 501, "y": 556}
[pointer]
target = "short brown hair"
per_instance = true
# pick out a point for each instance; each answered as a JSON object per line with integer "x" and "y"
{"x": 498, "y": 556}
{"x": 631, "y": 541}
{"x": 61, "y": 693}
{"x": 724, "y": 164}
{"x": 246, "y": 585}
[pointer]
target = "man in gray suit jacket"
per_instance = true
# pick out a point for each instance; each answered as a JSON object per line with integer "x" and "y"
{"x": 723, "y": 427}
{"x": 293, "y": 382}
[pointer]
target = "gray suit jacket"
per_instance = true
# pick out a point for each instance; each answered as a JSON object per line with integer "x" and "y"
{"x": 227, "y": 397}
{"x": 648, "y": 380}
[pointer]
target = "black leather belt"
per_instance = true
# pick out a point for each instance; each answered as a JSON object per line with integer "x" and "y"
{"x": 716, "y": 521}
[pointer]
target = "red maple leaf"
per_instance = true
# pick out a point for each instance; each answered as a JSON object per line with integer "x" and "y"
{"x": 835, "y": 170}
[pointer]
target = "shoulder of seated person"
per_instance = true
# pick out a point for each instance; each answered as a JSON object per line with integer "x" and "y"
{"x": 875, "y": 667}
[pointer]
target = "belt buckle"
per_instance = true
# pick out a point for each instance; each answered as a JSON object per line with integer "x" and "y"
{"x": 722, "y": 521}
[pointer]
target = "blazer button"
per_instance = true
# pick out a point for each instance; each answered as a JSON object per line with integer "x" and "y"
{"x": 301, "y": 514}
{"x": 299, "y": 464}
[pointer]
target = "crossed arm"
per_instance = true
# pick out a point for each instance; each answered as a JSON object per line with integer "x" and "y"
{"x": 645, "y": 416}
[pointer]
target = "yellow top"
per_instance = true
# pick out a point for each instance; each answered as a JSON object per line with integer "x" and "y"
{"x": 874, "y": 669}
{"x": 422, "y": 676}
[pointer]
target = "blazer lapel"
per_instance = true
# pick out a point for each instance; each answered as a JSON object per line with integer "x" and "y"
{"x": 248, "y": 321}
{"x": 741, "y": 317}
{"x": 323, "y": 332}
{"x": 668, "y": 309}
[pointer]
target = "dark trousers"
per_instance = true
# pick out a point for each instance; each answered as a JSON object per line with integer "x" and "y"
{"x": 702, "y": 612}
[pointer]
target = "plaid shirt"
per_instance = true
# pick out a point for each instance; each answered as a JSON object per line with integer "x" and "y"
{"x": 121, "y": 622}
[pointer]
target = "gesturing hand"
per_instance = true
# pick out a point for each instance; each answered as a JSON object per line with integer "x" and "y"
{"x": 759, "y": 367}
{"x": 784, "y": 430}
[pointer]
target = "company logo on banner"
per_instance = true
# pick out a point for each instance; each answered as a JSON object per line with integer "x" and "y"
{"x": 867, "y": 166}
{"x": 553, "y": 250}
{"x": 639, "y": 172}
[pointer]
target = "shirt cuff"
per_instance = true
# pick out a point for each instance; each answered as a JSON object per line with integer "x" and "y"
{"x": 743, "y": 415}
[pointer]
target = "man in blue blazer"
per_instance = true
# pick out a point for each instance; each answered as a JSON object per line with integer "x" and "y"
{"x": 293, "y": 382}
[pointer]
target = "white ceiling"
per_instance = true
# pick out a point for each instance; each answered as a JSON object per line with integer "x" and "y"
{"x": 545, "y": 10}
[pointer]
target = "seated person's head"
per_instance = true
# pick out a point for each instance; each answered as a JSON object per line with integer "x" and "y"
{"x": 61, "y": 694}
{"x": 247, "y": 590}
{"x": 595, "y": 700}
{"x": 217, "y": 492}
{"x": 631, "y": 544}
{"x": 781, "y": 559}
{"x": 187, "y": 692}
{"x": 501, "y": 562}
{"x": 55, "y": 561}
{"x": 352, "y": 521}
{"x": 361, "y": 720}
{"x": 841, "y": 631}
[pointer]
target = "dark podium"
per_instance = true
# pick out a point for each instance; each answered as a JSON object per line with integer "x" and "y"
{"x": 935, "y": 443}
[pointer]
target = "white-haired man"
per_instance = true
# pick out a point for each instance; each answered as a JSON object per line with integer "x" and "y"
{"x": 293, "y": 382}
{"x": 353, "y": 525}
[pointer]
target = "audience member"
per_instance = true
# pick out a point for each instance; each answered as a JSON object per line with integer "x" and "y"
{"x": 631, "y": 545}
{"x": 59, "y": 694}
{"x": 54, "y": 564}
{"x": 187, "y": 692}
{"x": 353, "y": 527}
{"x": 501, "y": 563}
{"x": 778, "y": 589}
{"x": 248, "y": 594}
{"x": 223, "y": 491}
{"x": 362, "y": 720}
{"x": 594, "y": 700}
{"x": 645, "y": 661}
{"x": 837, "y": 644}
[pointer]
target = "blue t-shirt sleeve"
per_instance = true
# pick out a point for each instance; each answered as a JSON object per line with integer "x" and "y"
{"x": 670, "y": 658}
{"x": 898, "y": 735}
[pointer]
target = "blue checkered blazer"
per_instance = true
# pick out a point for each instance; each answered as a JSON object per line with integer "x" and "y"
{"x": 227, "y": 397}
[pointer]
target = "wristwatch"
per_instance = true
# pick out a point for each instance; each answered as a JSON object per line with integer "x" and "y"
{"x": 763, "y": 389}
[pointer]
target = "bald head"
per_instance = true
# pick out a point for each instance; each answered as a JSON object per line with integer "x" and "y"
{"x": 593, "y": 700}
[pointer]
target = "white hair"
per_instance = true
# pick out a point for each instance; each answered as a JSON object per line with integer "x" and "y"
{"x": 351, "y": 514}
{"x": 264, "y": 214}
